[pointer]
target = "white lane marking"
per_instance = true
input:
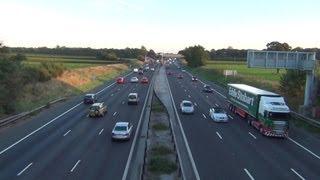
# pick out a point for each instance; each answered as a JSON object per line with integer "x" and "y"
{"x": 24, "y": 169}
{"x": 118, "y": 89}
{"x": 115, "y": 113}
{"x": 207, "y": 96}
{"x": 133, "y": 89}
{"x": 195, "y": 104}
{"x": 125, "y": 173}
{"x": 101, "y": 131}
{"x": 74, "y": 167}
{"x": 185, "y": 90}
{"x": 67, "y": 132}
{"x": 22, "y": 139}
{"x": 54, "y": 119}
{"x": 230, "y": 116}
{"x": 204, "y": 116}
{"x": 302, "y": 178}
{"x": 217, "y": 105}
{"x": 189, "y": 96}
{"x": 122, "y": 102}
{"x": 315, "y": 155}
{"x": 111, "y": 94}
{"x": 252, "y": 135}
{"x": 248, "y": 173}
{"x": 219, "y": 135}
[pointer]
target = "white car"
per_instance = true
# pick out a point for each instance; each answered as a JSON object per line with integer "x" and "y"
{"x": 134, "y": 80}
{"x": 133, "y": 98}
{"x": 122, "y": 131}
{"x": 135, "y": 70}
{"x": 187, "y": 107}
{"x": 183, "y": 70}
{"x": 217, "y": 114}
{"x": 152, "y": 69}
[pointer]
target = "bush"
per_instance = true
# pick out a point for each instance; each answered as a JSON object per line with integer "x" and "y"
{"x": 54, "y": 69}
{"x": 161, "y": 150}
{"x": 162, "y": 165}
{"x": 160, "y": 127}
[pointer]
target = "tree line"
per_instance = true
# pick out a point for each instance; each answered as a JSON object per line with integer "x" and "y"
{"x": 101, "y": 54}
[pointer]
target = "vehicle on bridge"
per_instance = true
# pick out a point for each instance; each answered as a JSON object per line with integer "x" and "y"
{"x": 97, "y": 110}
{"x": 122, "y": 131}
{"x": 264, "y": 110}
{"x": 89, "y": 99}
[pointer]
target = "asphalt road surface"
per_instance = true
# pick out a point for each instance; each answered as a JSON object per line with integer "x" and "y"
{"x": 235, "y": 150}
{"x": 64, "y": 143}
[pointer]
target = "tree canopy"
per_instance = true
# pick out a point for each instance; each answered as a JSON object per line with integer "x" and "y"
{"x": 195, "y": 55}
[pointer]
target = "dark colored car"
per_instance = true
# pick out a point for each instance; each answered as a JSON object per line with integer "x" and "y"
{"x": 89, "y": 99}
{"x": 180, "y": 76}
{"x": 169, "y": 73}
{"x": 140, "y": 72}
{"x": 207, "y": 88}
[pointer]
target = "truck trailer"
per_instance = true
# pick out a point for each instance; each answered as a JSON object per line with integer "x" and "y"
{"x": 264, "y": 110}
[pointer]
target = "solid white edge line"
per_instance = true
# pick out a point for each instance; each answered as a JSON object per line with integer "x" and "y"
{"x": 230, "y": 116}
{"x": 54, "y": 119}
{"x": 101, "y": 131}
{"x": 24, "y": 169}
{"x": 248, "y": 173}
{"x": 183, "y": 134}
{"x": 302, "y": 178}
{"x": 298, "y": 144}
{"x": 74, "y": 167}
{"x": 252, "y": 135}
{"x": 67, "y": 132}
{"x": 219, "y": 135}
{"x": 125, "y": 173}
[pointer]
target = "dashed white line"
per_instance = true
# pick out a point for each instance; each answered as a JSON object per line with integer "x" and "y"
{"x": 230, "y": 117}
{"x": 67, "y": 132}
{"x": 24, "y": 169}
{"x": 133, "y": 89}
{"x": 248, "y": 173}
{"x": 101, "y": 131}
{"x": 252, "y": 135}
{"x": 217, "y": 105}
{"x": 207, "y": 96}
{"x": 111, "y": 94}
{"x": 185, "y": 90}
{"x": 195, "y": 104}
{"x": 204, "y": 116}
{"x": 122, "y": 102}
{"x": 302, "y": 178}
{"x": 189, "y": 96}
{"x": 315, "y": 155}
{"x": 74, "y": 167}
{"x": 115, "y": 113}
{"x": 219, "y": 135}
{"x": 118, "y": 89}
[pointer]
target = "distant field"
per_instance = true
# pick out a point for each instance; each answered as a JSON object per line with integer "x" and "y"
{"x": 70, "y": 62}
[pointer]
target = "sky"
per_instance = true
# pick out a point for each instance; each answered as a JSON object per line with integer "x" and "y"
{"x": 161, "y": 25}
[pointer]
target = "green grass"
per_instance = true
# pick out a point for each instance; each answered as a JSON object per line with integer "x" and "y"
{"x": 160, "y": 127}
{"x": 157, "y": 106}
{"x": 161, "y": 165}
{"x": 161, "y": 150}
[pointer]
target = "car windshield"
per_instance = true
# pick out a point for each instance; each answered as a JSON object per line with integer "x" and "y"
{"x": 132, "y": 96}
{"x": 94, "y": 108}
{"x": 207, "y": 87}
{"x": 120, "y": 128}
{"x": 187, "y": 104}
{"x": 88, "y": 97}
{"x": 219, "y": 110}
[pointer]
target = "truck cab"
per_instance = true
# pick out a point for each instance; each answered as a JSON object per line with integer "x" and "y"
{"x": 275, "y": 113}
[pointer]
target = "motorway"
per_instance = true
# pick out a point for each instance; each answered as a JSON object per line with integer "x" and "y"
{"x": 234, "y": 150}
{"x": 62, "y": 142}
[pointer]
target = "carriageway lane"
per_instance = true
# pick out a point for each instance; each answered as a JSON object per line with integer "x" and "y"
{"x": 275, "y": 154}
{"x": 57, "y": 152}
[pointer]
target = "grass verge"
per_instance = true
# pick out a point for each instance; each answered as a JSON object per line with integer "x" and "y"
{"x": 160, "y": 127}
{"x": 160, "y": 164}
{"x": 161, "y": 150}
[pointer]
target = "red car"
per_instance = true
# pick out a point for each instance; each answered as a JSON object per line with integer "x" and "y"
{"x": 144, "y": 80}
{"x": 180, "y": 76}
{"x": 120, "y": 80}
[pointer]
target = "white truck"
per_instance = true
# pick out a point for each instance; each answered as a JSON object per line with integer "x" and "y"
{"x": 264, "y": 110}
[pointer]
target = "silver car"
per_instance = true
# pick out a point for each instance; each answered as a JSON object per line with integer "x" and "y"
{"x": 217, "y": 114}
{"x": 187, "y": 107}
{"x": 122, "y": 131}
{"x": 134, "y": 80}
